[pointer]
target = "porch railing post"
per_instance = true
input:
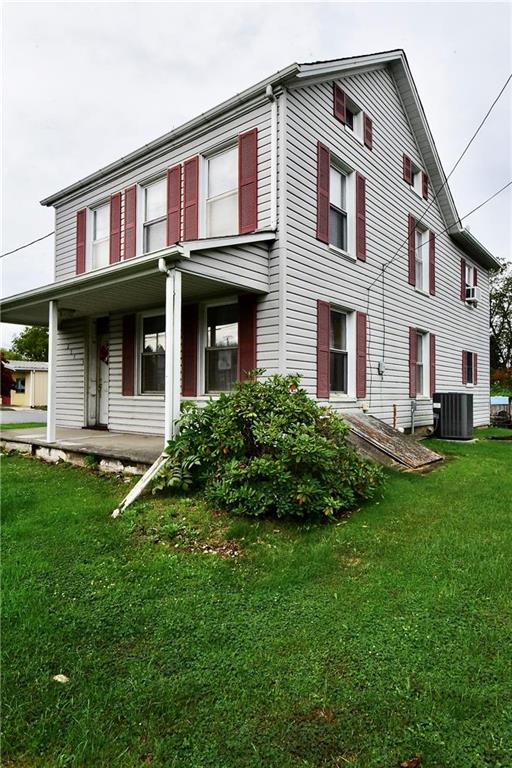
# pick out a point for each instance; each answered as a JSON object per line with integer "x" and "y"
{"x": 52, "y": 371}
{"x": 172, "y": 352}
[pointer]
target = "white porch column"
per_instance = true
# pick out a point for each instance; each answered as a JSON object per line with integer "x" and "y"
{"x": 52, "y": 371}
{"x": 172, "y": 352}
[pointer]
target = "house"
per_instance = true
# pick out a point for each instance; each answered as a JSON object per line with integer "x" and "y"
{"x": 305, "y": 225}
{"x": 30, "y": 383}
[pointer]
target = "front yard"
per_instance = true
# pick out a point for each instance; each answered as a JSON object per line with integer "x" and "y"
{"x": 194, "y": 640}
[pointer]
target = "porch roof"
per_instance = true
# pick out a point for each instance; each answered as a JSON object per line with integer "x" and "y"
{"x": 130, "y": 285}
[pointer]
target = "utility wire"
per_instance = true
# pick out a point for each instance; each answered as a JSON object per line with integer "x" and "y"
{"x": 21, "y": 247}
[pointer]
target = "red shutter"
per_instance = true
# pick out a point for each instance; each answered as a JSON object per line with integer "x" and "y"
{"x": 462, "y": 280}
{"x": 475, "y": 368}
{"x": 130, "y": 222}
{"x": 360, "y": 217}
{"x": 407, "y": 169}
{"x": 413, "y": 343}
{"x": 360, "y": 354}
{"x": 339, "y": 104}
{"x": 115, "y": 228}
{"x": 189, "y": 330}
{"x": 128, "y": 366}
{"x": 247, "y": 304}
{"x": 323, "y": 332}
{"x": 464, "y": 367}
{"x": 174, "y": 205}
{"x": 81, "y": 234}
{"x": 367, "y": 131}
{"x": 191, "y": 198}
{"x": 322, "y": 192}
{"x": 432, "y": 357}
{"x": 411, "y": 249}
{"x": 248, "y": 181}
{"x": 432, "y": 262}
{"x": 424, "y": 185}
{"x": 475, "y": 278}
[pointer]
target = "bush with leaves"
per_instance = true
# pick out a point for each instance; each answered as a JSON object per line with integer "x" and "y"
{"x": 266, "y": 448}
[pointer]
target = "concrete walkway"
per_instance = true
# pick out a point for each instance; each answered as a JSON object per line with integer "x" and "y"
{"x": 143, "y": 449}
{"x": 22, "y": 416}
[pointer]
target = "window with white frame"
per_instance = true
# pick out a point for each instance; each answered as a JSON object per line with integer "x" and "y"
{"x": 19, "y": 385}
{"x": 470, "y": 277}
{"x": 221, "y": 353}
{"x": 222, "y": 193}
{"x": 155, "y": 216}
{"x": 416, "y": 179}
{"x": 421, "y": 259}
{"x": 152, "y": 354}
{"x": 421, "y": 363}
{"x": 100, "y": 250}
{"x": 338, "y": 209}
{"x": 470, "y": 367}
{"x": 353, "y": 118}
{"x": 339, "y": 358}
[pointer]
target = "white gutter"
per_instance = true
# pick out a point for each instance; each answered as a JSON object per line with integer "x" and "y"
{"x": 273, "y": 156}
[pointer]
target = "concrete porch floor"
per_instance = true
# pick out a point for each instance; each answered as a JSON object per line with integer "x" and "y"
{"x": 124, "y": 446}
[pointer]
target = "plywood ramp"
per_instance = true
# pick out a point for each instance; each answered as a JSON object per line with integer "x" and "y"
{"x": 387, "y": 445}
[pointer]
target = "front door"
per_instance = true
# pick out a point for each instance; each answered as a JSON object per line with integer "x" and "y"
{"x": 102, "y": 384}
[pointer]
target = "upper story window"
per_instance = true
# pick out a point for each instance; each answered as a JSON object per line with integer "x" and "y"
{"x": 339, "y": 352}
{"x": 221, "y": 354}
{"x": 222, "y": 193}
{"x": 100, "y": 255}
{"x": 421, "y": 257}
{"x": 470, "y": 277}
{"x": 338, "y": 209}
{"x": 155, "y": 216}
{"x": 354, "y": 118}
{"x": 152, "y": 358}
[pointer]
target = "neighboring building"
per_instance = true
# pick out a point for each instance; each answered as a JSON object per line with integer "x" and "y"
{"x": 256, "y": 235}
{"x": 30, "y": 383}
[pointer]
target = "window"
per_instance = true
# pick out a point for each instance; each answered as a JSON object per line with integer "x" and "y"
{"x": 222, "y": 193}
{"x": 221, "y": 357}
{"x": 338, "y": 235}
{"x": 470, "y": 367}
{"x": 153, "y": 354}
{"x": 416, "y": 179}
{"x": 421, "y": 363}
{"x": 155, "y": 216}
{"x": 353, "y": 118}
{"x": 339, "y": 352}
{"x": 470, "y": 277}
{"x": 19, "y": 385}
{"x": 349, "y": 118}
{"x": 421, "y": 258}
{"x": 100, "y": 236}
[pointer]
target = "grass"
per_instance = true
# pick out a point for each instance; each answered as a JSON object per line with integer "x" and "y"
{"x": 24, "y": 425}
{"x": 350, "y": 644}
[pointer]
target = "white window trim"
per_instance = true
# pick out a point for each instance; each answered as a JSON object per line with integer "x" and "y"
{"x": 89, "y": 224}
{"x": 231, "y": 143}
{"x": 201, "y": 342}
{"x": 140, "y": 194}
{"x": 416, "y": 180}
{"x": 139, "y": 326}
{"x": 471, "y": 284}
{"x": 425, "y": 340}
{"x": 357, "y": 131}
{"x": 425, "y": 260}
{"x": 471, "y": 384}
{"x": 350, "y": 191}
{"x": 351, "y": 356}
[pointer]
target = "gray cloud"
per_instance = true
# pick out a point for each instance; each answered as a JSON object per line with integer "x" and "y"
{"x": 85, "y": 83}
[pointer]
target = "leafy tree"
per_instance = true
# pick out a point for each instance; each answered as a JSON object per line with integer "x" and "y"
{"x": 31, "y": 344}
{"x": 7, "y": 377}
{"x": 501, "y": 318}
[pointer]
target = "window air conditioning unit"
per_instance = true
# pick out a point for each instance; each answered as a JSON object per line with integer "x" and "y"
{"x": 453, "y": 415}
{"x": 472, "y": 294}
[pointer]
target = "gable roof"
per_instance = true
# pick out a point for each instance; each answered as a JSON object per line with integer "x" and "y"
{"x": 26, "y": 365}
{"x": 306, "y": 73}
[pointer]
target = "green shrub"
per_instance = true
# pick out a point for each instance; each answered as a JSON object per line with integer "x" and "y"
{"x": 267, "y": 448}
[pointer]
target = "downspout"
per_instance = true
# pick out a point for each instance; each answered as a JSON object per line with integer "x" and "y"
{"x": 273, "y": 156}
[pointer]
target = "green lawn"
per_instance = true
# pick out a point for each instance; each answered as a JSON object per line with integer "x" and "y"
{"x": 24, "y": 425}
{"x": 350, "y": 644}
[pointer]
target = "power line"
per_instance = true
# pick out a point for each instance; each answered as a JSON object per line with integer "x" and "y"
{"x": 21, "y": 247}
{"x": 445, "y": 182}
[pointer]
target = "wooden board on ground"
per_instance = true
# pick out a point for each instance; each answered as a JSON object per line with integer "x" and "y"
{"x": 379, "y": 438}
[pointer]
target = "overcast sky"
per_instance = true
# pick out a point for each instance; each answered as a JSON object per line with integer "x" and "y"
{"x": 84, "y": 83}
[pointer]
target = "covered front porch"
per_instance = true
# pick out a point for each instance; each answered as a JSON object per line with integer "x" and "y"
{"x": 91, "y": 316}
